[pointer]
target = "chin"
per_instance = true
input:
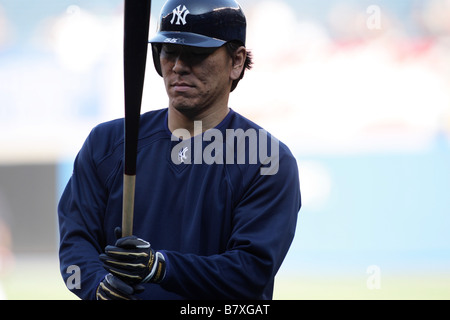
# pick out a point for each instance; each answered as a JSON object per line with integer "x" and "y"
{"x": 188, "y": 110}
{"x": 182, "y": 106}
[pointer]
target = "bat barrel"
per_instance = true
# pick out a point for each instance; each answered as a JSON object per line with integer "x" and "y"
{"x": 136, "y": 30}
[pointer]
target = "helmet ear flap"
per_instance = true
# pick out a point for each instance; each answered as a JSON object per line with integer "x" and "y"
{"x": 156, "y": 51}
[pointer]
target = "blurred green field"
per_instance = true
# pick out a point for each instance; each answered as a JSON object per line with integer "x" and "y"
{"x": 34, "y": 278}
{"x": 400, "y": 287}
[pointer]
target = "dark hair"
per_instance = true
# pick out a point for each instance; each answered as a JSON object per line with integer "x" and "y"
{"x": 232, "y": 47}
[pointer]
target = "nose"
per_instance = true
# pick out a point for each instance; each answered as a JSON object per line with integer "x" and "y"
{"x": 181, "y": 64}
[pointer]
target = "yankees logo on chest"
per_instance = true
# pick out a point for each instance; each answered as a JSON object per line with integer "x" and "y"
{"x": 182, "y": 155}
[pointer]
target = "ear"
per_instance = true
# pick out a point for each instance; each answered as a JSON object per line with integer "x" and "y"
{"x": 238, "y": 63}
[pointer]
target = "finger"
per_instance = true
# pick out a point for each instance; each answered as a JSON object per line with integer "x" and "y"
{"x": 123, "y": 274}
{"x": 108, "y": 293}
{"x": 109, "y": 289}
{"x": 121, "y": 264}
{"x": 120, "y": 285}
{"x": 138, "y": 288}
{"x": 118, "y": 232}
{"x": 125, "y": 254}
{"x": 132, "y": 242}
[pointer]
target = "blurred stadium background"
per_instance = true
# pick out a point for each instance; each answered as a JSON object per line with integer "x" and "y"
{"x": 359, "y": 90}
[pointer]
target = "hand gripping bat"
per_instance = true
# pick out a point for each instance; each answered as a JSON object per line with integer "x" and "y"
{"x": 136, "y": 30}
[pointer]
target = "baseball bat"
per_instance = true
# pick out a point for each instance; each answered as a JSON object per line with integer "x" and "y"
{"x": 136, "y": 30}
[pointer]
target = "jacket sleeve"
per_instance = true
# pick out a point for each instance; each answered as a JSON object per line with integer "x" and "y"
{"x": 264, "y": 223}
{"x": 80, "y": 214}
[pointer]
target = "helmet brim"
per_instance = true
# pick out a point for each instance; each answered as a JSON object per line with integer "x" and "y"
{"x": 186, "y": 39}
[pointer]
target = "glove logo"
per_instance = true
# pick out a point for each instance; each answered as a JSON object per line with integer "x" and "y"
{"x": 181, "y": 14}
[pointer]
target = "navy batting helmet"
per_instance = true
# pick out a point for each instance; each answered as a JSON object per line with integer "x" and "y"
{"x": 199, "y": 23}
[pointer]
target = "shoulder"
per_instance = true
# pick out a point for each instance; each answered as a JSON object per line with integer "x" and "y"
{"x": 114, "y": 129}
{"x": 267, "y": 142}
{"x": 269, "y": 171}
{"x": 238, "y": 121}
{"x": 257, "y": 153}
{"x": 112, "y": 132}
{"x": 107, "y": 138}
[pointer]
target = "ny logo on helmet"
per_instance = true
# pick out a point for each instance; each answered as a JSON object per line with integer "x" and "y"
{"x": 181, "y": 14}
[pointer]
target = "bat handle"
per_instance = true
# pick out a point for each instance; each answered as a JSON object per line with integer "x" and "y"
{"x": 129, "y": 185}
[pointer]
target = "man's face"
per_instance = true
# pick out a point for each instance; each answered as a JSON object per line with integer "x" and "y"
{"x": 196, "y": 78}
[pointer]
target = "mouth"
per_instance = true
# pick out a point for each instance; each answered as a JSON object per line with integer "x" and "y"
{"x": 181, "y": 86}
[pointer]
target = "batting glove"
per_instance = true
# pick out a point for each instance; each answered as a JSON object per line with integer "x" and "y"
{"x": 112, "y": 288}
{"x": 134, "y": 261}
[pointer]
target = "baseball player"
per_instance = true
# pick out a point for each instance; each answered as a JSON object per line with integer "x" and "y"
{"x": 202, "y": 229}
